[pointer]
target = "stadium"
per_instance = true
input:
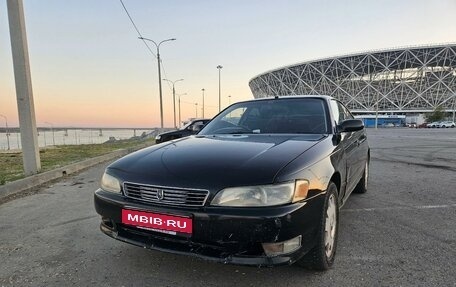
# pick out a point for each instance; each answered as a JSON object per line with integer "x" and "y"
{"x": 401, "y": 81}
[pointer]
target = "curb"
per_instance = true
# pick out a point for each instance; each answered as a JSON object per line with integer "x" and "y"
{"x": 30, "y": 182}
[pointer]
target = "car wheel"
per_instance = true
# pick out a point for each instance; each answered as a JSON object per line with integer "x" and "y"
{"x": 361, "y": 187}
{"x": 321, "y": 257}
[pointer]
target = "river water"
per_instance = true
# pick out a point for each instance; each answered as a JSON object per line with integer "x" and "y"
{"x": 73, "y": 137}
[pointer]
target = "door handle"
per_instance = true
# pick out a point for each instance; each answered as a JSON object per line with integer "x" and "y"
{"x": 361, "y": 140}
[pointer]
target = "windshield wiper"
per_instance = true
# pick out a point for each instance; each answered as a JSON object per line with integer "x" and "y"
{"x": 235, "y": 132}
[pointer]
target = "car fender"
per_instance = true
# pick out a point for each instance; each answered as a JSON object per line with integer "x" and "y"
{"x": 318, "y": 165}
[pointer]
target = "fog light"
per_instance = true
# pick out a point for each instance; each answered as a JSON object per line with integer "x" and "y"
{"x": 108, "y": 222}
{"x": 279, "y": 248}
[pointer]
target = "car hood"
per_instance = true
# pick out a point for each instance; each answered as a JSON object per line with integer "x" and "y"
{"x": 213, "y": 162}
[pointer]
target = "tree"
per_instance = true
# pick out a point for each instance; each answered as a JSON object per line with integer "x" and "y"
{"x": 437, "y": 115}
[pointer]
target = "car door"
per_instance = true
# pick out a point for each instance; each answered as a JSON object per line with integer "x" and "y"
{"x": 358, "y": 152}
{"x": 348, "y": 142}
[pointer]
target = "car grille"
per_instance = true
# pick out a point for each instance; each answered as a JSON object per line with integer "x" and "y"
{"x": 166, "y": 195}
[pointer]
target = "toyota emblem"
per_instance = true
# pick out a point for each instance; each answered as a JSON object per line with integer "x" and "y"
{"x": 160, "y": 194}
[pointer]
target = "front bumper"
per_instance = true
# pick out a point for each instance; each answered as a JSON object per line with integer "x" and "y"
{"x": 226, "y": 235}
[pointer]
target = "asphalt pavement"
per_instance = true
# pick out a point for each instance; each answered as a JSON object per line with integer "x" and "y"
{"x": 402, "y": 232}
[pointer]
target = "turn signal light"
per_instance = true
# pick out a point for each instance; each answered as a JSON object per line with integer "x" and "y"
{"x": 301, "y": 190}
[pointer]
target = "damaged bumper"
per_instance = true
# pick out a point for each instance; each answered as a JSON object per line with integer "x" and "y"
{"x": 226, "y": 235}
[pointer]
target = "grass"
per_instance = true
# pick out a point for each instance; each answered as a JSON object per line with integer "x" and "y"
{"x": 53, "y": 157}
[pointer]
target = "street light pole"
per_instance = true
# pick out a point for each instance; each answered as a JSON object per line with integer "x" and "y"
{"x": 180, "y": 95}
{"x": 7, "y": 131}
{"x": 203, "y": 100}
{"x": 174, "y": 98}
{"x": 219, "y": 67}
{"x": 196, "y": 110}
{"x": 376, "y": 113}
{"x": 159, "y": 73}
{"x": 229, "y": 100}
{"x": 454, "y": 97}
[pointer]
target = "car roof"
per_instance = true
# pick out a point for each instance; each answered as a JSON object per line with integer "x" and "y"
{"x": 195, "y": 120}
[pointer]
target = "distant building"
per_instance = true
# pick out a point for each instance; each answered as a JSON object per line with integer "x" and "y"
{"x": 397, "y": 81}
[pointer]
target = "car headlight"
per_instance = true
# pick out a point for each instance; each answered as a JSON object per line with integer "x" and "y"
{"x": 158, "y": 137}
{"x": 110, "y": 183}
{"x": 262, "y": 195}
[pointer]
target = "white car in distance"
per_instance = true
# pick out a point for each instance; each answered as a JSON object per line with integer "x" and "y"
{"x": 446, "y": 124}
{"x": 433, "y": 125}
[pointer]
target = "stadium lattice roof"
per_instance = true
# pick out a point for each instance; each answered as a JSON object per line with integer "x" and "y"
{"x": 413, "y": 79}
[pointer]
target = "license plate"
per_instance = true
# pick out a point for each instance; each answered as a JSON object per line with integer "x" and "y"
{"x": 157, "y": 221}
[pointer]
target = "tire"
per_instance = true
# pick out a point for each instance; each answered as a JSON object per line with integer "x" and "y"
{"x": 361, "y": 187}
{"x": 321, "y": 257}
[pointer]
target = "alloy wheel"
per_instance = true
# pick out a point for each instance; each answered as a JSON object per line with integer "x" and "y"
{"x": 330, "y": 226}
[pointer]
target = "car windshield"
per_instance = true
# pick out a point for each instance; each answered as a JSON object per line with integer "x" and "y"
{"x": 275, "y": 116}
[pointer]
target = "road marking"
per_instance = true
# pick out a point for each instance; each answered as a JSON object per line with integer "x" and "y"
{"x": 441, "y": 206}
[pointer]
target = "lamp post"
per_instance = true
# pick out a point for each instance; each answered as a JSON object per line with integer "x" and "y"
{"x": 159, "y": 73}
{"x": 376, "y": 113}
{"x": 203, "y": 100}
{"x": 52, "y": 130}
{"x": 229, "y": 100}
{"x": 219, "y": 67}
{"x": 196, "y": 110}
{"x": 174, "y": 98}
{"x": 454, "y": 97}
{"x": 180, "y": 95}
{"x": 7, "y": 131}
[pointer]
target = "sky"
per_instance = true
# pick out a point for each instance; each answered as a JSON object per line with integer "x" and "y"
{"x": 89, "y": 69}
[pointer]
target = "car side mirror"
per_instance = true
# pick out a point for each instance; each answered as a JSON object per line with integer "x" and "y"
{"x": 350, "y": 126}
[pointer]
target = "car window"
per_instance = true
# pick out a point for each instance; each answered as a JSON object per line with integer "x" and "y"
{"x": 186, "y": 125}
{"x": 308, "y": 115}
{"x": 347, "y": 114}
{"x": 340, "y": 112}
{"x": 198, "y": 123}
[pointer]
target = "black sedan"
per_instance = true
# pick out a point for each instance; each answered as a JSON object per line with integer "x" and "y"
{"x": 191, "y": 128}
{"x": 261, "y": 184}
